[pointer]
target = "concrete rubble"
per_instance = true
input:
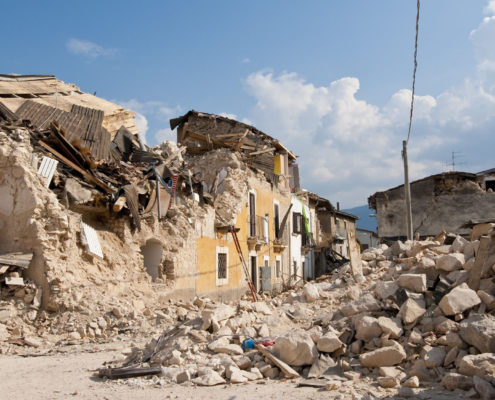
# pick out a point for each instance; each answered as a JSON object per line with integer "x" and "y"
{"x": 387, "y": 342}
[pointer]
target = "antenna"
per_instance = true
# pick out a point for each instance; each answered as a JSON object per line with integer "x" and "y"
{"x": 454, "y": 157}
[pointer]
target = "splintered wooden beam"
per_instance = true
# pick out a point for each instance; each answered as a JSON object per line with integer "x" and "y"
{"x": 84, "y": 173}
{"x": 262, "y": 151}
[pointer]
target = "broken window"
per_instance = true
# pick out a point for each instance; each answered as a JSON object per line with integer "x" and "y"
{"x": 276, "y": 217}
{"x": 297, "y": 222}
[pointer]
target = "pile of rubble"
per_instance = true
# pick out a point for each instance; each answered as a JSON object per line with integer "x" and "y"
{"x": 415, "y": 323}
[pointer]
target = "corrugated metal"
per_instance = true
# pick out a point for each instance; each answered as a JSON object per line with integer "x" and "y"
{"x": 81, "y": 123}
{"x": 92, "y": 240}
{"x": 47, "y": 168}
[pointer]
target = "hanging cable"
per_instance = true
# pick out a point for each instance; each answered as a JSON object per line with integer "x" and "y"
{"x": 414, "y": 73}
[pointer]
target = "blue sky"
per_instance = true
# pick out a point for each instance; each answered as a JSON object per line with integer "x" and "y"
{"x": 331, "y": 79}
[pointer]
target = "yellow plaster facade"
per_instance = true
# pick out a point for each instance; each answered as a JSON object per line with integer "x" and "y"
{"x": 207, "y": 282}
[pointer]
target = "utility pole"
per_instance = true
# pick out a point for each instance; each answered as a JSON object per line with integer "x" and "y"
{"x": 407, "y": 192}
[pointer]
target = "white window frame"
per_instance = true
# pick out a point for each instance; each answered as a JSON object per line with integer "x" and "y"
{"x": 222, "y": 250}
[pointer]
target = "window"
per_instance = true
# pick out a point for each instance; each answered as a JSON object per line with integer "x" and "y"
{"x": 222, "y": 267}
{"x": 345, "y": 224}
{"x": 252, "y": 215}
{"x": 278, "y": 268}
{"x": 338, "y": 223}
{"x": 296, "y": 222}
{"x": 295, "y": 268}
{"x": 276, "y": 219}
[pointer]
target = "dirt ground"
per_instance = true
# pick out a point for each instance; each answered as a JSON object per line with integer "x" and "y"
{"x": 69, "y": 373}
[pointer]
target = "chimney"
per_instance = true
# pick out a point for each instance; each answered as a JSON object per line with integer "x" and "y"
{"x": 338, "y": 206}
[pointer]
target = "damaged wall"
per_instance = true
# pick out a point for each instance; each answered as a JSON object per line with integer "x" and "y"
{"x": 439, "y": 203}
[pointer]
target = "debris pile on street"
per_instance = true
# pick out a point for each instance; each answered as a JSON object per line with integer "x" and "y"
{"x": 421, "y": 319}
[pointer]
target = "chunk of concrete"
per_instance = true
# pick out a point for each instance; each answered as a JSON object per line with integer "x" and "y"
{"x": 367, "y": 328}
{"x": 296, "y": 348}
{"x": 329, "y": 342}
{"x": 208, "y": 377}
{"x": 384, "y": 290}
{"x": 413, "y": 282}
{"x": 383, "y": 357}
{"x": 411, "y": 311}
{"x": 435, "y": 357}
{"x": 392, "y": 326}
{"x": 182, "y": 377}
{"x": 482, "y": 365}
{"x": 485, "y": 389}
{"x": 450, "y": 262}
{"x": 453, "y": 381}
{"x": 460, "y": 299}
{"x": 365, "y": 303}
{"x": 311, "y": 291}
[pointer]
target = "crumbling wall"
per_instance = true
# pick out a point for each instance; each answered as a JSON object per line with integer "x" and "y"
{"x": 436, "y": 205}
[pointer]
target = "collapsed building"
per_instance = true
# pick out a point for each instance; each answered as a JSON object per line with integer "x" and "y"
{"x": 444, "y": 201}
{"x": 86, "y": 204}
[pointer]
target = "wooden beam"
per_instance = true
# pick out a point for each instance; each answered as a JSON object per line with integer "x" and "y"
{"x": 262, "y": 151}
{"x": 84, "y": 173}
{"x": 119, "y": 204}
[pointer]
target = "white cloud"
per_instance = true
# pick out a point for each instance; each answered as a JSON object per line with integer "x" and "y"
{"x": 490, "y": 7}
{"x": 227, "y": 115}
{"x": 246, "y": 60}
{"x": 165, "y": 134}
{"x": 89, "y": 49}
{"x": 350, "y": 148}
{"x": 157, "y": 110}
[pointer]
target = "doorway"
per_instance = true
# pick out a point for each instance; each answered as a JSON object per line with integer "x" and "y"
{"x": 254, "y": 272}
{"x": 152, "y": 252}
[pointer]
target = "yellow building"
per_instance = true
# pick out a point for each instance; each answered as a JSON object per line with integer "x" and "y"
{"x": 256, "y": 200}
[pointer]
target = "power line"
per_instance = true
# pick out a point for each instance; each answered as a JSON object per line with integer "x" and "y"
{"x": 414, "y": 73}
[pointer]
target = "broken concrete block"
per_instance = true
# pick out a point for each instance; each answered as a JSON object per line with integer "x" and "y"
{"x": 183, "y": 376}
{"x": 237, "y": 377}
{"x": 229, "y": 349}
{"x": 333, "y": 385}
{"x": 460, "y": 299}
{"x": 33, "y": 342}
{"x": 384, "y": 290}
{"x": 367, "y": 328}
{"x": 384, "y": 357}
{"x": 74, "y": 336}
{"x": 329, "y": 342}
{"x": 484, "y": 388}
{"x": 365, "y": 303}
{"x": 444, "y": 325}
{"x": 435, "y": 357}
{"x": 392, "y": 326}
{"x": 468, "y": 266}
{"x": 398, "y": 247}
{"x": 311, "y": 291}
{"x": 451, "y": 356}
{"x": 412, "y": 382}
{"x": 450, "y": 262}
{"x": 387, "y": 382}
{"x": 482, "y": 365}
{"x": 487, "y": 298}
{"x": 271, "y": 373}
{"x": 451, "y": 340}
{"x": 411, "y": 311}
{"x": 221, "y": 313}
{"x": 458, "y": 245}
{"x": 243, "y": 362}
{"x": 208, "y": 377}
{"x": 413, "y": 282}
{"x": 296, "y": 348}
{"x": 262, "y": 308}
{"x": 470, "y": 249}
{"x": 453, "y": 381}
{"x": 479, "y": 333}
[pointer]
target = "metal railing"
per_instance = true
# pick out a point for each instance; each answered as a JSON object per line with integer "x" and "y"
{"x": 308, "y": 241}
{"x": 256, "y": 227}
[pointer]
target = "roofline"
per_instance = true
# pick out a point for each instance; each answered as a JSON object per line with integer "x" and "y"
{"x": 175, "y": 122}
{"x": 367, "y": 230}
{"x": 347, "y": 214}
{"x": 15, "y": 77}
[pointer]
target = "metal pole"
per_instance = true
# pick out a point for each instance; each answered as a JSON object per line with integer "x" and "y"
{"x": 407, "y": 190}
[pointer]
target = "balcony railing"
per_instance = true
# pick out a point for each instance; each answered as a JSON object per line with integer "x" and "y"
{"x": 257, "y": 228}
{"x": 308, "y": 241}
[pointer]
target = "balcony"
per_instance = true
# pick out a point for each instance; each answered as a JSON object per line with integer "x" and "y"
{"x": 257, "y": 229}
{"x": 281, "y": 238}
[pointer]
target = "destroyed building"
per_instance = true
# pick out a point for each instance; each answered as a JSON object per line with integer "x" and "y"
{"x": 442, "y": 201}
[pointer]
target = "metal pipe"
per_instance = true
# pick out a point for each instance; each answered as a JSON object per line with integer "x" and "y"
{"x": 407, "y": 192}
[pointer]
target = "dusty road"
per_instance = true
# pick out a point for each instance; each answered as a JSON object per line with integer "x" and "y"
{"x": 63, "y": 376}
